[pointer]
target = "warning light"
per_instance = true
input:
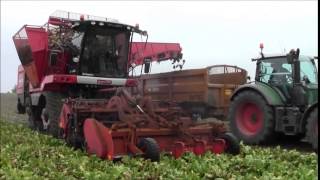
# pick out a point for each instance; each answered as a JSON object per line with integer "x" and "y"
{"x": 261, "y": 46}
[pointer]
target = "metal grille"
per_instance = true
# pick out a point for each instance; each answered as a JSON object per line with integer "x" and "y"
{"x": 76, "y": 16}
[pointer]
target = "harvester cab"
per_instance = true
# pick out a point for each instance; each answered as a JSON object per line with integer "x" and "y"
{"x": 86, "y": 45}
{"x": 72, "y": 85}
{"x": 282, "y": 100}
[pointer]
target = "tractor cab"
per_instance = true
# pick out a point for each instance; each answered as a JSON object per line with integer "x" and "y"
{"x": 292, "y": 75}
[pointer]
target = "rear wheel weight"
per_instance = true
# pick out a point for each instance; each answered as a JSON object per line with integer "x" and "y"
{"x": 251, "y": 118}
{"x": 150, "y": 148}
{"x": 312, "y": 129}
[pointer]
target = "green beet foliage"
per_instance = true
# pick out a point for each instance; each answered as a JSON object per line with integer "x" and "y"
{"x": 26, "y": 154}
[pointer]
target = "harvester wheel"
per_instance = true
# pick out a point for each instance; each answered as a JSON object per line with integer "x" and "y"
{"x": 31, "y": 124}
{"x": 21, "y": 109}
{"x": 150, "y": 148}
{"x": 53, "y": 108}
{"x": 312, "y": 129}
{"x": 251, "y": 118}
{"x": 73, "y": 139}
{"x": 34, "y": 120}
{"x": 232, "y": 143}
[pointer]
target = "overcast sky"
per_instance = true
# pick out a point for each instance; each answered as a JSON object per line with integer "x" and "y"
{"x": 223, "y": 32}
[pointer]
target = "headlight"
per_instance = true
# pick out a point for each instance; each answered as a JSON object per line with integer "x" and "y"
{"x": 75, "y": 59}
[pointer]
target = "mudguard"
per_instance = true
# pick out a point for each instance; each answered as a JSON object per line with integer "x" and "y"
{"x": 271, "y": 95}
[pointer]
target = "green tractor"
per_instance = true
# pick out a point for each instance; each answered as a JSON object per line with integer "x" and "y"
{"x": 283, "y": 100}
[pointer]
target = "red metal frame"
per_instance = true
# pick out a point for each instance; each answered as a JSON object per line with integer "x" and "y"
{"x": 112, "y": 127}
{"x": 155, "y": 51}
{"x": 174, "y": 133}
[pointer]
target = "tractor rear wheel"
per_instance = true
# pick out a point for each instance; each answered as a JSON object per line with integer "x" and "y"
{"x": 251, "y": 118}
{"x": 150, "y": 148}
{"x": 232, "y": 143}
{"x": 312, "y": 129}
{"x": 52, "y": 110}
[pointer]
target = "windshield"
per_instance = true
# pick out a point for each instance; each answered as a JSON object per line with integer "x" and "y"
{"x": 308, "y": 69}
{"x": 274, "y": 70}
{"x": 105, "y": 52}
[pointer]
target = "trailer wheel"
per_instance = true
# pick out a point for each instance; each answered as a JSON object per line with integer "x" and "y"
{"x": 53, "y": 107}
{"x": 251, "y": 118}
{"x": 232, "y": 143}
{"x": 150, "y": 148}
{"x": 312, "y": 129}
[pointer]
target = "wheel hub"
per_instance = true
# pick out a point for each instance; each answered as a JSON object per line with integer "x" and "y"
{"x": 249, "y": 118}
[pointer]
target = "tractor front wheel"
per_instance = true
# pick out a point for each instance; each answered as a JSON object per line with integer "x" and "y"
{"x": 312, "y": 129}
{"x": 251, "y": 118}
{"x": 150, "y": 148}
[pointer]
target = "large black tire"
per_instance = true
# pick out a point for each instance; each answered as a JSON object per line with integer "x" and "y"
{"x": 34, "y": 119}
{"x": 31, "y": 124}
{"x": 312, "y": 129}
{"x": 251, "y": 118}
{"x": 21, "y": 109}
{"x": 150, "y": 148}
{"x": 53, "y": 108}
{"x": 232, "y": 143}
{"x": 73, "y": 138}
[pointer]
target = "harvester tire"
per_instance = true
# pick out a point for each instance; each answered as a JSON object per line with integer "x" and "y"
{"x": 150, "y": 148}
{"x": 312, "y": 129}
{"x": 73, "y": 139}
{"x": 34, "y": 120}
{"x": 232, "y": 143}
{"x": 53, "y": 107}
{"x": 21, "y": 109}
{"x": 251, "y": 118}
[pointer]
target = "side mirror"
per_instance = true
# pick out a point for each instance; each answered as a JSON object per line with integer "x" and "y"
{"x": 147, "y": 65}
{"x": 53, "y": 58}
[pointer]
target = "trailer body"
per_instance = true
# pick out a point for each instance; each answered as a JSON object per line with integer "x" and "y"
{"x": 205, "y": 92}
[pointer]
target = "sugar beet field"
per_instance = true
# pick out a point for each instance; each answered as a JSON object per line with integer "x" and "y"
{"x": 26, "y": 154}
